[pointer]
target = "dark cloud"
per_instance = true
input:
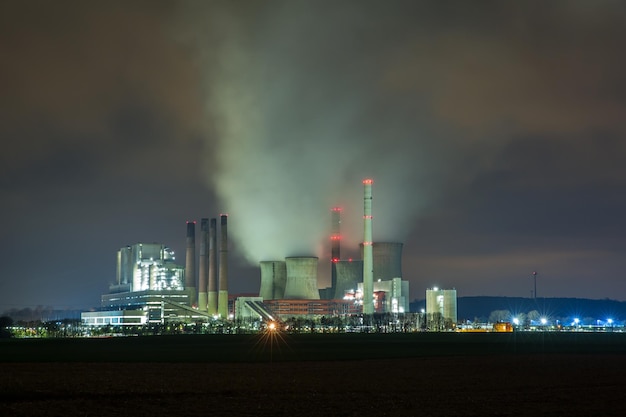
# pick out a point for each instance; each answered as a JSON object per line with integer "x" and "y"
{"x": 494, "y": 133}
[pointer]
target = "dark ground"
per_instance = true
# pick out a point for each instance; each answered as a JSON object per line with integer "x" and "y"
{"x": 497, "y": 384}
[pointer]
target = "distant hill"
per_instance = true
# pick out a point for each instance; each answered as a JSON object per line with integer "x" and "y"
{"x": 563, "y": 309}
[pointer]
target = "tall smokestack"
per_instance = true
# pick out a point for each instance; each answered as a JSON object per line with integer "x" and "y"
{"x": 222, "y": 302}
{"x": 335, "y": 244}
{"x": 368, "y": 263}
{"x": 190, "y": 262}
{"x": 203, "y": 265}
{"x": 212, "y": 308}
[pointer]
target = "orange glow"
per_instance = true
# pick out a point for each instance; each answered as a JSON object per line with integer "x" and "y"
{"x": 368, "y": 181}
{"x": 336, "y": 209}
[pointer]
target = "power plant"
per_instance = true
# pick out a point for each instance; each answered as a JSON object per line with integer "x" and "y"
{"x": 151, "y": 287}
{"x": 372, "y": 284}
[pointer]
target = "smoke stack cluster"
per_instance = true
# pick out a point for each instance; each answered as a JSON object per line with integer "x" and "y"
{"x": 207, "y": 296}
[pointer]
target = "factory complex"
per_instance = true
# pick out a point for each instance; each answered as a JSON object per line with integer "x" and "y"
{"x": 150, "y": 287}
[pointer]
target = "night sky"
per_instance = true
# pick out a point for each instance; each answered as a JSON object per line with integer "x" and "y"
{"x": 494, "y": 132}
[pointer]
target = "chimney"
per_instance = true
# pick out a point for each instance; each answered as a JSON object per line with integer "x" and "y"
{"x": 190, "y": 262}
{"x": 222, "y": 301}
{"x": 213, "y": 267}
{"x": 368, "y": 264}
{"x": 335, "y": 244}
{"x": 203, "y": 266}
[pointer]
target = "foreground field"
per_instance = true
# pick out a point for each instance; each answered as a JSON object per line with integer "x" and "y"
{"x": 299, "y": 376}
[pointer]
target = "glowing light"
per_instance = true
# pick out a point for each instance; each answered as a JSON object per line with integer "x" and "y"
{"x": 337, "y": 209}
{"x": 272, "y": 326}
{"x": 368, "y": 181}
{"x": 516, "y": 321}
{"x": 544, "y": 320}
{"x": 610, "y": 321}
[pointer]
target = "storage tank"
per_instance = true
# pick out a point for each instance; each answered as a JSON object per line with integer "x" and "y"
{"x": 349, "y": 274}
{"x": 301, "y": 278}
{"x": 442, "y": 302}
{"x": 273, "y": 279}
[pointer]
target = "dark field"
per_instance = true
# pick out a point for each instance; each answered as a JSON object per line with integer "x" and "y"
{"x": 523, "y": 374}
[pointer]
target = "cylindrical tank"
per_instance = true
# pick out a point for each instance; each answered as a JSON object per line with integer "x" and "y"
{"x": 301, "y": 278}
{"x": 441, "y": 302}
{"x": 349, "y": 274}
{"x": 273, "y": 279}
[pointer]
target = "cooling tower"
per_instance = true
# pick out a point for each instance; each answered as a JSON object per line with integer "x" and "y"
{"x": 349, "y": 274}
{"x": 301, "y": 278}
{"x": 335, "y": 242}
{"x": 368, "y": 267}
{"x": 212, "y": 296}
{"x": 387, "y": 260}
{"x": 222, "y": 300}
{"x": 190, "y": 261}
{"x": 273, "y": 279}
{"x": 203, "y": 266}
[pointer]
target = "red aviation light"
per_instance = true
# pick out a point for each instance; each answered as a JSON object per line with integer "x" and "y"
{"x": 368, "y": 217}
{"x": 368, "y": 181}
{"x": 335, "y": 237}
{"x": 336, "y": 209}
{"x": 334, "y": 260}
{"x": 367, "y": 243}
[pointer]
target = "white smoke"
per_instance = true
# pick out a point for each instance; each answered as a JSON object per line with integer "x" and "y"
{"x": 303, "y": 114}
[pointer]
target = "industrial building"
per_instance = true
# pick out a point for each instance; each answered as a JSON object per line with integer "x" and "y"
{"x": 149, "y": 280}
{"x": 151, "y": 285}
